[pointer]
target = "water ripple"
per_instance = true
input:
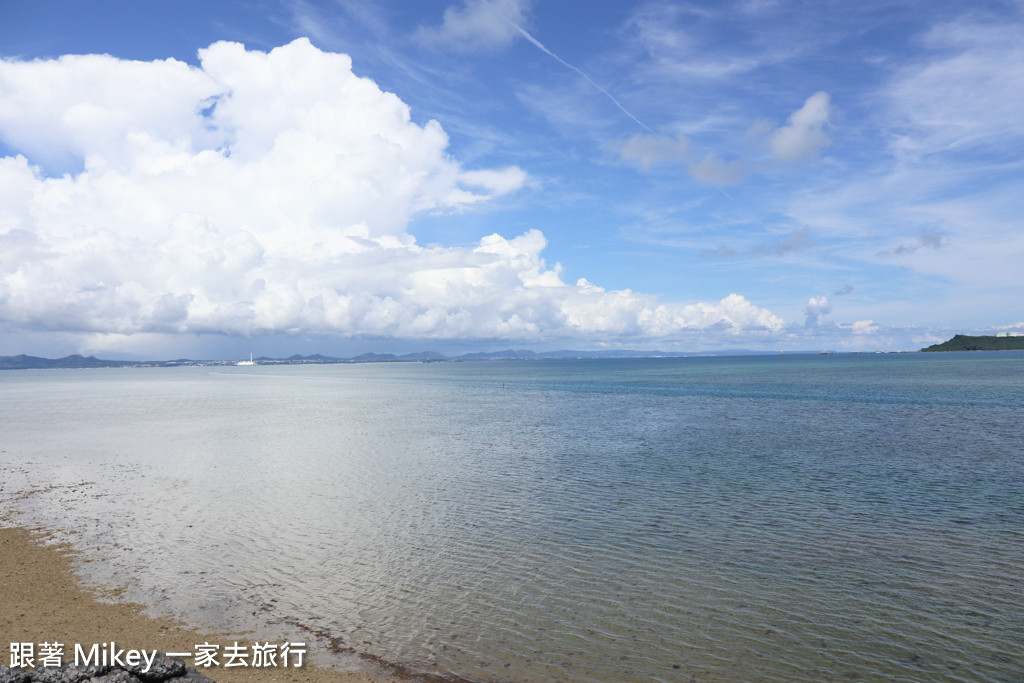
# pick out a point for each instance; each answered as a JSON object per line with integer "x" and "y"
{"x": 741, "y": 520}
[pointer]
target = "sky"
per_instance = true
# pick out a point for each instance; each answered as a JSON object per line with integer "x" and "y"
{"x": 209, "y": 179}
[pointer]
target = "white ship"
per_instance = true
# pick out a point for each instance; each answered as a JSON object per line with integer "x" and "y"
{"x": 246, "y": 362}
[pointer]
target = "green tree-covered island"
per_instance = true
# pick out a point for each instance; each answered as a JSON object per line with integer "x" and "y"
{"x": 965, "y": 342}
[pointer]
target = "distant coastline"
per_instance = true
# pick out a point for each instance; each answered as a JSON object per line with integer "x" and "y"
{"x": 25, "y": 362}
{"x": 964, "y": 342}
{"x": 959, "y": 342}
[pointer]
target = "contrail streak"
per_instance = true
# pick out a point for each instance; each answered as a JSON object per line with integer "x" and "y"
{"x": 540, "y": 46}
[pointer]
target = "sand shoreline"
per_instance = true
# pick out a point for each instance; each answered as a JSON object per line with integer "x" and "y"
{"x": 41, "y": 600}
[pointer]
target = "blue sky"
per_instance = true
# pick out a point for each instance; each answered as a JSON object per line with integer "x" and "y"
{"x": 339, "y": 177}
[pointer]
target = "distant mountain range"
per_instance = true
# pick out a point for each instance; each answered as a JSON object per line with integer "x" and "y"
{"x": 24, "y": 362}
{"x": 960, "y": 342}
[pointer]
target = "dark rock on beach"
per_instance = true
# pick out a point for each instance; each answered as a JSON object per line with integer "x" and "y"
{"x": 68, "y": 673}
{"x": 12, "y": 675}
{"x": 168, "y": 669}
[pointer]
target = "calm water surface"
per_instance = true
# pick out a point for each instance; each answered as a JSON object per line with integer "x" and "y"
{"x": 719, "y": 519}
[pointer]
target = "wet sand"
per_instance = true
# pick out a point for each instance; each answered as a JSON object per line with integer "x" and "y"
{"x": 42, "y": 601}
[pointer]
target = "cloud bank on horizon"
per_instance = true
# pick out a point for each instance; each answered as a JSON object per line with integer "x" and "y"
{"x": 703, "y": 151}
{"x": 270, "y": 192}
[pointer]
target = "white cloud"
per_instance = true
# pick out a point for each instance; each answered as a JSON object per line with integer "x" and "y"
{"x": 496, "y": 182}
{"x": 733, "y": 314}
{"x": 799, "y": 240}
{"x": 929, "y": 238}
{"x": 283, "y": 209}
{"x": 57, "y": 111}
{"x": 966, "y": 95}
{"x": 943, "y": 201}
{"x": 715, "y": 171}
{"x": 817, "y": 307}
{"x": 864, "y": 327}
{"x": 649, "y": 150}
{"x": 478, "y": 25}
{"x": 676, "y": 48}
{"x": 804, "y": 136}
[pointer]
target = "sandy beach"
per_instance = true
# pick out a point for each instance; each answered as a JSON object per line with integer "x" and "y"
{"x": 42, "y": 601}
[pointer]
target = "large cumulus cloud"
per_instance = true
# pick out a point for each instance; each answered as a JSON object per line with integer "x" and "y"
{"x": 266, "y": 193}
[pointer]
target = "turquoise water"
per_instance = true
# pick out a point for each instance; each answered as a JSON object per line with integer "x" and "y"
{"x": 797, "y": 518}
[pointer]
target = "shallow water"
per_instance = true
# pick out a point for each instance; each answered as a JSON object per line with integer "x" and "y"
{"x": 748, "y": 518}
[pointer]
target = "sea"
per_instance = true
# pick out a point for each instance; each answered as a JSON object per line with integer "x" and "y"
{"x": 749, "y": 518}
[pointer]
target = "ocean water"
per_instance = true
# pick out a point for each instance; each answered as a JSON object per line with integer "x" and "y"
{"x": 796, "y": 518}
